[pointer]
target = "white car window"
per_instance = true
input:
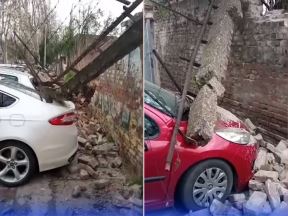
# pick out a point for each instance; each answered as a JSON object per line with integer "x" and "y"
{"x": 6, "y": 100}
{"x": 6, "y": 76}
{"x": 21, "y": 88}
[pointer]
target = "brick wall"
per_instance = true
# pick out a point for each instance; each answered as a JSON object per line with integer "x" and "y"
{"x": 175, "y": 37}
{"x": 257, "y": 84}
{"x": 117, "y": 102}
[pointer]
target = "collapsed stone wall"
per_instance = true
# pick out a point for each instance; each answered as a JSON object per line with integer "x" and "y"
{"x": 117, "y": 102}
{"x": 257, "y": 84}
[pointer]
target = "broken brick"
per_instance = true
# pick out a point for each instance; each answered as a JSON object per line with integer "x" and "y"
{"x": 263, "y": 175}
{"x": 261, "y": 159}
{"x": 272, "y": 193}
{"x": 255, "y": 203}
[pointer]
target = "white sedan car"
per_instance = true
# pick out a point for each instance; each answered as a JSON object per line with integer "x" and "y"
{"x": 34, "y": 135}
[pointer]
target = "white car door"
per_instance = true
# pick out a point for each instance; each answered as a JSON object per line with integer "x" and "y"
{"x": 8, "y": 118}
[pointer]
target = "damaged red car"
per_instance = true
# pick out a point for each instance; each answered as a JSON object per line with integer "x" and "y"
{"x": 200, "y": 171}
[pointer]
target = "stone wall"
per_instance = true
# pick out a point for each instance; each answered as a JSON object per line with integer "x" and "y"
{"x": 257, "y": 84}
{"x": 117, "y": 102}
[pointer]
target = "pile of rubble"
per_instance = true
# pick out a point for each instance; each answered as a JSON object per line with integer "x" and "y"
{"x": 268, "y": 189}
{"x": 98, "y": 159}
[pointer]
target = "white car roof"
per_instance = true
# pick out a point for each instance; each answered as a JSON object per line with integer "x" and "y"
{"x": 14, "y": 72}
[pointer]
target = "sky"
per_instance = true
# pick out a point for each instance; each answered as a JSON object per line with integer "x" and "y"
{"x": 110, "y": 7}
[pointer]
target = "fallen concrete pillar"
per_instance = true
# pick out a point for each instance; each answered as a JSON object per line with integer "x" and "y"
{"x": 203, "y": 115}
{"x": 217, "y": 87}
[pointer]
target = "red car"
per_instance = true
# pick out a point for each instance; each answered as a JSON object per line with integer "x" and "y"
{"x": 199, "y": 173}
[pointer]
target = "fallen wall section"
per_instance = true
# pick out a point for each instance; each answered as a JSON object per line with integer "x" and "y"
{"x": 117, "y": 102}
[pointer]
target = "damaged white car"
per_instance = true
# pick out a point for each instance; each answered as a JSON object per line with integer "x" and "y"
{"x": 34, "y": 135}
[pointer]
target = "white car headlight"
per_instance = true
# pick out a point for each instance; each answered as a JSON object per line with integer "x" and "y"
{"x": 236, "y": 135}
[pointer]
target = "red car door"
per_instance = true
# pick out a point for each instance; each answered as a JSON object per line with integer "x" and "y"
{"x": 157, "y": 138}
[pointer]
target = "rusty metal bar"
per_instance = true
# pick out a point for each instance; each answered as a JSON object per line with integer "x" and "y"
{"x": 124, "y": 2}
{"x": 167, "y": 70}
{"x": 101, "y": 37}
{"x": 177, "y": 12}
{"x": 267, "y": 6}
{"x": 185, "y": 89}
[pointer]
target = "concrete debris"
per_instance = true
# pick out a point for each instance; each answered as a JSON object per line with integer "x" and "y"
{"x": 82, "y": 141}
{"x": 88, "y": 147}
{"x": 284, "y": 157}
{"x": 234, "y": 212}
{"x": 283, "y": 174}
{"x": 268, "y": 193}
{"x": 116, "y": 163}
{"x": 218, "y": 208}
{"x": 250, "y": 125}
{"x": 104, "y": 149}
{"x": 255, "y": 203}
{"x": 92, "y": 173}
{"x": 277, "y": 153}
{"x": 84, "y": 174}
{"x": 260, "y": 140}
{"x": 226, "y": 116}
{"x": 256, "y": 185}
{"x": 272, "y": 193}
{"x": 101, "y": 183}
{"x": 261, "y": 159}
{"x": 282, "y": 145}
{"x": 76, "y": 192}
{"x": 135, "y": 201}
{"x": 271, "y": 158}
{"x": 203, "y": 115}
{"x": 263, "y": 175}
{"x": 267, "y": 210}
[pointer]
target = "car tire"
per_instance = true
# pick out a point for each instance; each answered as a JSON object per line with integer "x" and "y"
{"x": 192, "y": 184}
{"x": 25, "y": 163}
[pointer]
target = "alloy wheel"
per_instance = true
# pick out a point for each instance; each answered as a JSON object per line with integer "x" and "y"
{"x": 14, "y": 164}
{"x": 210, "y": 184}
